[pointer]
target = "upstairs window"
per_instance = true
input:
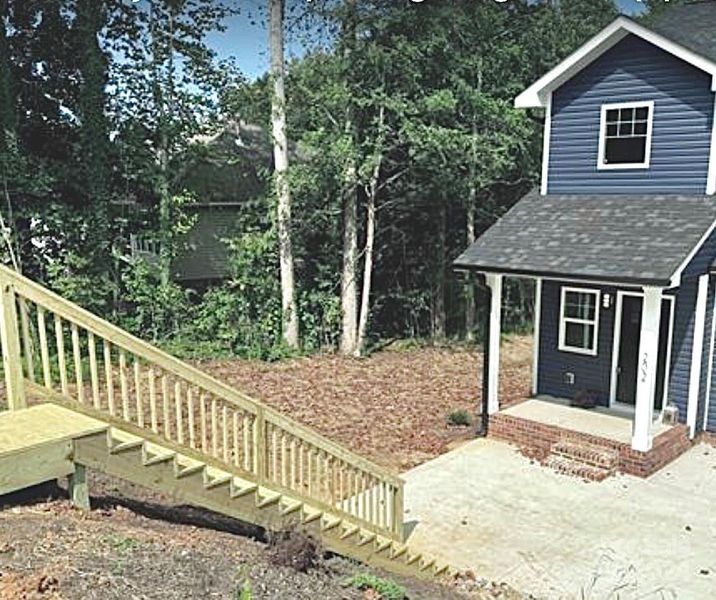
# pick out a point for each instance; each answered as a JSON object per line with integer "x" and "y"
{"x": 579, "y": 320}
{"x": 625, "y": 135}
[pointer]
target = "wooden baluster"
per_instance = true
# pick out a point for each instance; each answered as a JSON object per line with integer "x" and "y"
{"x": 214, "y": 428}
{"x": 342, "y": 483}
{"x": 294, "y": 458}
{"x": 44, "y": 350}
{"x": 284, "y": 461}
{"x": 153, "y": 412}
{"x": 274, "y": 454}
{"x": 166, "y": 415}
{"x": 77, "y": 359}
{"x": 301, "y": 470}
{"x": 139, "y": 401}
{"x": 61, "y": 361}
{"x": 94, "y": 374}
{"x": 123, "y": 387}
{"x": 384, "y": 504}
{"x": 191, "y": 416}
{"x": 309, "y": 470}
{"x": 331, "y": 480}
{"x": 27, "y": 346}
{"x": 247, "y": 443}
{"x": 259, "y": 445}
{"x": 235, "y": 431}
{"x": 179, "y": 412}
{"x": 109, "y": 376}
{"x": 202, "y": 423}
{"x": 225, "y": 432}
{"x": 397, "y": 512}
{"x": 320, "y": 475}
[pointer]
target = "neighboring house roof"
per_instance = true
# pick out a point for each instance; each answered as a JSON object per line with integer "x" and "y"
{"x": 643, "y": 240}
{"x": 689, "y": 37}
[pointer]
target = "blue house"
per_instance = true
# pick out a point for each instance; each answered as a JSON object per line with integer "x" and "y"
{"x": 620, "y": 239}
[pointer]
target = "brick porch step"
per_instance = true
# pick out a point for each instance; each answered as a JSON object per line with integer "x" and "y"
{"x": 576, "y": 468}
{"x": 588, "y": 454}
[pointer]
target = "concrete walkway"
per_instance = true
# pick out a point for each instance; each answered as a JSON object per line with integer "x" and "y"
{"x": 486, "y": 508}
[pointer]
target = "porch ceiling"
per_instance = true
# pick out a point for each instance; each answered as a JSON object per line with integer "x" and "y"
{"x": 640, "y": 240}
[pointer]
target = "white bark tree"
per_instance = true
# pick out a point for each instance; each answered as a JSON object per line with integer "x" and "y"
{"x": 283, "y": 192}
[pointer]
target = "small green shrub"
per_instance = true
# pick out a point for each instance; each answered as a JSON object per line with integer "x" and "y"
{"x": 385, "y": 588}
{"x": 459, "y": 417}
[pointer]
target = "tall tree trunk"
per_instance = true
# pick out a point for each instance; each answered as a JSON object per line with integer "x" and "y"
{"x": 280, "y": 153}
{"x": 349, "y": 274}
{"x": 369, "y": 240}
{"x": 470, "y": 315}
{"x": 162, "y": 102}
{"x": 349, "y": 283}
{"x": 8, "y": 124}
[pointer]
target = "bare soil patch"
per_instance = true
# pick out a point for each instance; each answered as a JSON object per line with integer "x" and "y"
{"x": 139, "y": 545}
{"x": 391, "y": 406}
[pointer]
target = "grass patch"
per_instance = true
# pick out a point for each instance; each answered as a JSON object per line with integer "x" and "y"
{"x": 459, "y": 417}
{"x": 385, "y": 588}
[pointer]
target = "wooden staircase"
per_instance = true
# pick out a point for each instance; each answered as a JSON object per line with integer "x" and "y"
{"x": 134, "y": 459}
{"x": 174, "y": 429}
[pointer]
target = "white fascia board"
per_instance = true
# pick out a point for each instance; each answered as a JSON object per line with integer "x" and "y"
{"x": 536, "y": 95}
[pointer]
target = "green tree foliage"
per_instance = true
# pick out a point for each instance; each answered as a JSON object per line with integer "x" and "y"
{"x": 104, "y": 106}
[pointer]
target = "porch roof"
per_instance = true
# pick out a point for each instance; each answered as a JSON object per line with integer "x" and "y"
{"x": 642, "y": 240}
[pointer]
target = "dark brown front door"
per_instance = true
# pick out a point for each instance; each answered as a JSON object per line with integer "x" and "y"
{"x": 628, "y": 349}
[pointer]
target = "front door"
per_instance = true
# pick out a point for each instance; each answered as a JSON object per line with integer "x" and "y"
{"x": 629, "y": 335}
{"x": 628, "y": 349}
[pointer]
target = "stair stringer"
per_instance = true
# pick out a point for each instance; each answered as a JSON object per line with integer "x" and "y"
{"x": 223, "y": 492}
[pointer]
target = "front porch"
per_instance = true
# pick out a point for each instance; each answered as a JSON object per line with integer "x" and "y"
{"x": 548, "y": 426}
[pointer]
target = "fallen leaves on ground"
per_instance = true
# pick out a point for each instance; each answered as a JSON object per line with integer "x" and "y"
{"x": 391, "y": 406}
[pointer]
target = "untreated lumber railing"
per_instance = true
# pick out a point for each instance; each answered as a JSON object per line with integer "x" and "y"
{"x": 58, "y": 351}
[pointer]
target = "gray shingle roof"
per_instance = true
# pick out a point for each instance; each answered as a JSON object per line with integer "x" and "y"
{"x": 630, "y": 239}
{"x": 692, "y": 25}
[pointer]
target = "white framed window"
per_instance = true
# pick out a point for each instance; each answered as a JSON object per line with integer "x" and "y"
{"x": 579, "y": 320}
{"x": 625, "y": 135}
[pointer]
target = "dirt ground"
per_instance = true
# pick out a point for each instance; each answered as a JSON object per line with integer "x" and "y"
{"x": 391, "y": 406}
{"x": 138, "y": 545}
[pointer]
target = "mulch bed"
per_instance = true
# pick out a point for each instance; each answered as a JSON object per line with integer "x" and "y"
{"x": 392, "y": 406}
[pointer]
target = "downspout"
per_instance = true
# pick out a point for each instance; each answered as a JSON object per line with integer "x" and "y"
{"x": 486, "y": 294}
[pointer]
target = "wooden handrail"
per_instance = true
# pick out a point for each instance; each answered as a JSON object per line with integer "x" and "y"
{"x": 69, "y": 311}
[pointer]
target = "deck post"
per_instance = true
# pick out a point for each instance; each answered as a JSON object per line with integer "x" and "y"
{"x": 79, "y": 488}
{"x": 494, "y": 282}
{"x": 10, "y": 339}
{"x": 646, "y": 369}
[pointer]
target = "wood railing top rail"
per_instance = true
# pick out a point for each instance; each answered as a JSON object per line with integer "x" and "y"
{"x": 98, "y": 326}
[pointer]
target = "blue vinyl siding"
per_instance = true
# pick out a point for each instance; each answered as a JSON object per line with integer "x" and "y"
{"x": 591, "y": 373}
{"x": 633, "y": 70}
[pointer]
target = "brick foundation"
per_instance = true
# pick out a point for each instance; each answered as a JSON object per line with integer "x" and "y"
{"x": 538, "y": 438}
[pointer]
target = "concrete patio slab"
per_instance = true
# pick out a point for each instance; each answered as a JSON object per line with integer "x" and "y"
{"x": 486, "y": 508}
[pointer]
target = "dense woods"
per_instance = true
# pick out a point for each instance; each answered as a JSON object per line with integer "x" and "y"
{"x": 402, "y": 146}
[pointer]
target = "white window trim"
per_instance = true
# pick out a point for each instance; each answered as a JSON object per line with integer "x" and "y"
{"x": 562, "y": 346}
{"x": 601, "y": 165}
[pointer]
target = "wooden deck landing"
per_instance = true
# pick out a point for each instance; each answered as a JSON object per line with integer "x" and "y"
{"x": 36, "y": 444}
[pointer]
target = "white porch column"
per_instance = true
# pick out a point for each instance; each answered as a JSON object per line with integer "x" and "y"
{"x": 646, "y": 369}
{"x": 536, "y": 334}
{"x": 494, "y": 281}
